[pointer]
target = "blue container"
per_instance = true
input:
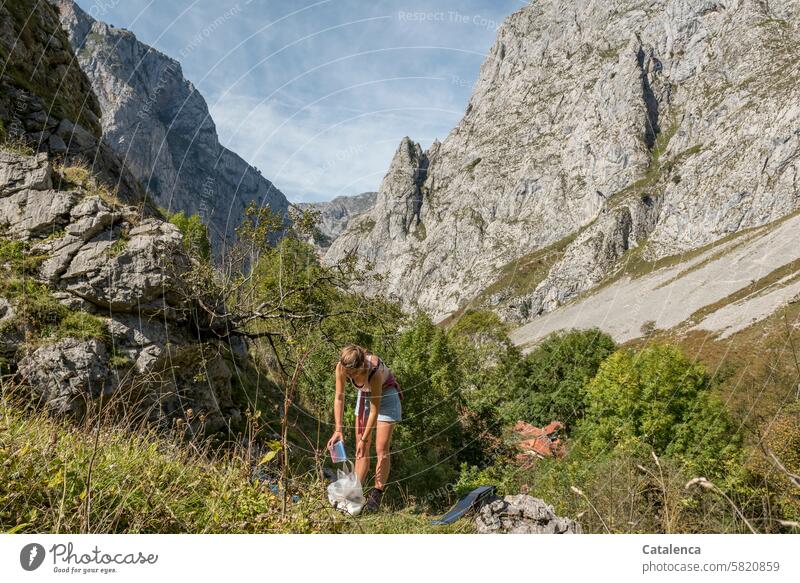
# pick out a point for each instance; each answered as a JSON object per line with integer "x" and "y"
{"x": 337, "y": 452}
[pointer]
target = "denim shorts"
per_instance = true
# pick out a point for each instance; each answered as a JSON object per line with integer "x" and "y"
{"x": 390, "y": 410}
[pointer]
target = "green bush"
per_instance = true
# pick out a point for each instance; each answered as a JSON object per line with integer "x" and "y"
{"x": 550, "y": 383}
{"x": 658, "y": 399}
{"x": 195, "y": 234}
{"x": 486, "y": 361}
{"x": 82, "y": 325}
{"x": 426, "y": 444}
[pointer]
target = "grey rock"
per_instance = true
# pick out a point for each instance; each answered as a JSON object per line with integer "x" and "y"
{"x": 67, "y": 375}
{"x": 594, "y": 254}
{"x": 75, "y": 135}
{"x": 522, "y": 514}
{"x": 57, "y": 145}
{"x": 144, "y": 339}
{"x": 32, "y": 212}
{"x": 40, "y": 121}
{"x": 337, "y": 213}
{"x": 24, "y": 173}
{"x": 6, "y": 310}
{"x": 139, "y": 274}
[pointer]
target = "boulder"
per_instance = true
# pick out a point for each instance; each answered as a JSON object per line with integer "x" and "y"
{"x": 66, "y": 375}
{"x": 522, "y": 514}
{"x": 18, "y": 172}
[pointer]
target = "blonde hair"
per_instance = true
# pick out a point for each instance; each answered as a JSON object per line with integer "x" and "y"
{"x": 353, "y": 356}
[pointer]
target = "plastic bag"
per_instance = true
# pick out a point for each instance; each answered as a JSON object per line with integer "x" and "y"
{"x": 346, "y": 492}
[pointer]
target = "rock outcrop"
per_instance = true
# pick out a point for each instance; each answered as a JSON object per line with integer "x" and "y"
{"x": 337, "y": 213}
{"x": 522, "y": 514}
{"x": 69, "y": 374}
{"x": 160, "y": 124}
{"x": 102, "y": 259}
{"x": 99, "y": 261}
{"x": 93, "y": 307}
{"x": 594, "y": 129}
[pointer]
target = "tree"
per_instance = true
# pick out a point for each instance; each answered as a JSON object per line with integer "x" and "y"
{"x": 550, "y": 383}
{"x": 659, "y": 400}
{"x": 195, "y": 234}
{"x": 427, "y": 442}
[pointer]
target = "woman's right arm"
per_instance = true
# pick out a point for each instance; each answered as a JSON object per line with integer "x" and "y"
{"x": 338, "y": 406}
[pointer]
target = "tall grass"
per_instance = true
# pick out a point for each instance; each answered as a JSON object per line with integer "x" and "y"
{"x": 101, "y": 477}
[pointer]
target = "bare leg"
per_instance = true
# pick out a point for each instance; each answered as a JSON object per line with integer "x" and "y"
{"x": 383, "y": 442}
{"x": 362, "y": 463}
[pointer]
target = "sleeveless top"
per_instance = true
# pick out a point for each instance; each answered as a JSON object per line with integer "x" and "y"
{"x": 390, "y": 381}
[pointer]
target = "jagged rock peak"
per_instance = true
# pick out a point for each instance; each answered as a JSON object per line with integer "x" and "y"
{"x": 337, "y": 213}
{"x": 594, "y": 129}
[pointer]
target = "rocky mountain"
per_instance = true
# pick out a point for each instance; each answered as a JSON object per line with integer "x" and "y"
{"x": 92, "y": 304}
{"x": 336, "y": 214}
{"x": 160, "y": 125}
{"x": 598, "y": 135}
{"x": 34, "y": 109}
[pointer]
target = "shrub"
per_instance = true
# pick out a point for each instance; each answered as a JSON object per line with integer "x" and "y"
{"x": 550, "y": 382}
{"x": 486, "y": 360}
{"x": 658, "y": 399}
{"x": 782, "y": 438}
{"x": 426, "y": 444}
{"x": 82, "y": 325}
{"x": 195, "y": 234}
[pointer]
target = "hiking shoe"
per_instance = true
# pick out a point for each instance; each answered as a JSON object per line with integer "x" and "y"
{"x": 373, "y": 501}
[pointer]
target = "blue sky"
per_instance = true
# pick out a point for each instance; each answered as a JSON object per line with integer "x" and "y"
{"x": 318, "y": 93}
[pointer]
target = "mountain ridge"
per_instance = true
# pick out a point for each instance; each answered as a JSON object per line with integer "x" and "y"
{"x": 594, "y": 130}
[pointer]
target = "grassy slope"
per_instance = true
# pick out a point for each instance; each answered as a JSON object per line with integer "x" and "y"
{"x": 757, "y": 369}
{"x": 61, "y": 478}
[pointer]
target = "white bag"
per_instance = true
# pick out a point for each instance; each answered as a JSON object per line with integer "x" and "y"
{"x": 346, "y": 492}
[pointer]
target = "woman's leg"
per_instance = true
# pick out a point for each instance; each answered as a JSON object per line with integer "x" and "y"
{"x": 383, "y": 442}
{"x": 362, "y": 463}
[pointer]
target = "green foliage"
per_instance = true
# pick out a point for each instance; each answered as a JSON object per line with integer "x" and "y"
{"x": 260, "y": 226}
{"x": 141, "y": 483}
{"x": 83, "y": 326}
{"x": 17, "y": 259}
{"x": 195, "y": 234}
{"x": 427, "y": 441}
{"x": 658, "y": 399}
{"x": 486, "y": 361}
{"x": 37, "y": 314}
{"x": 36, "y": 310}
{"x": 484, "y": 331}
{"x": 550, "y": 383}
{"x": 119, "y": 245}
{"x": 119, "y": 361}
{"x": 781, "y": 439}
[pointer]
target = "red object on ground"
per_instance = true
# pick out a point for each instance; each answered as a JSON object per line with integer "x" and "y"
{"x": 539, "y": 442}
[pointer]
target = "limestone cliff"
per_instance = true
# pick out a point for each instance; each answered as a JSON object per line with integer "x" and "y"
{"x": 595, "y": 129}
{"x": 336, "y": 214}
